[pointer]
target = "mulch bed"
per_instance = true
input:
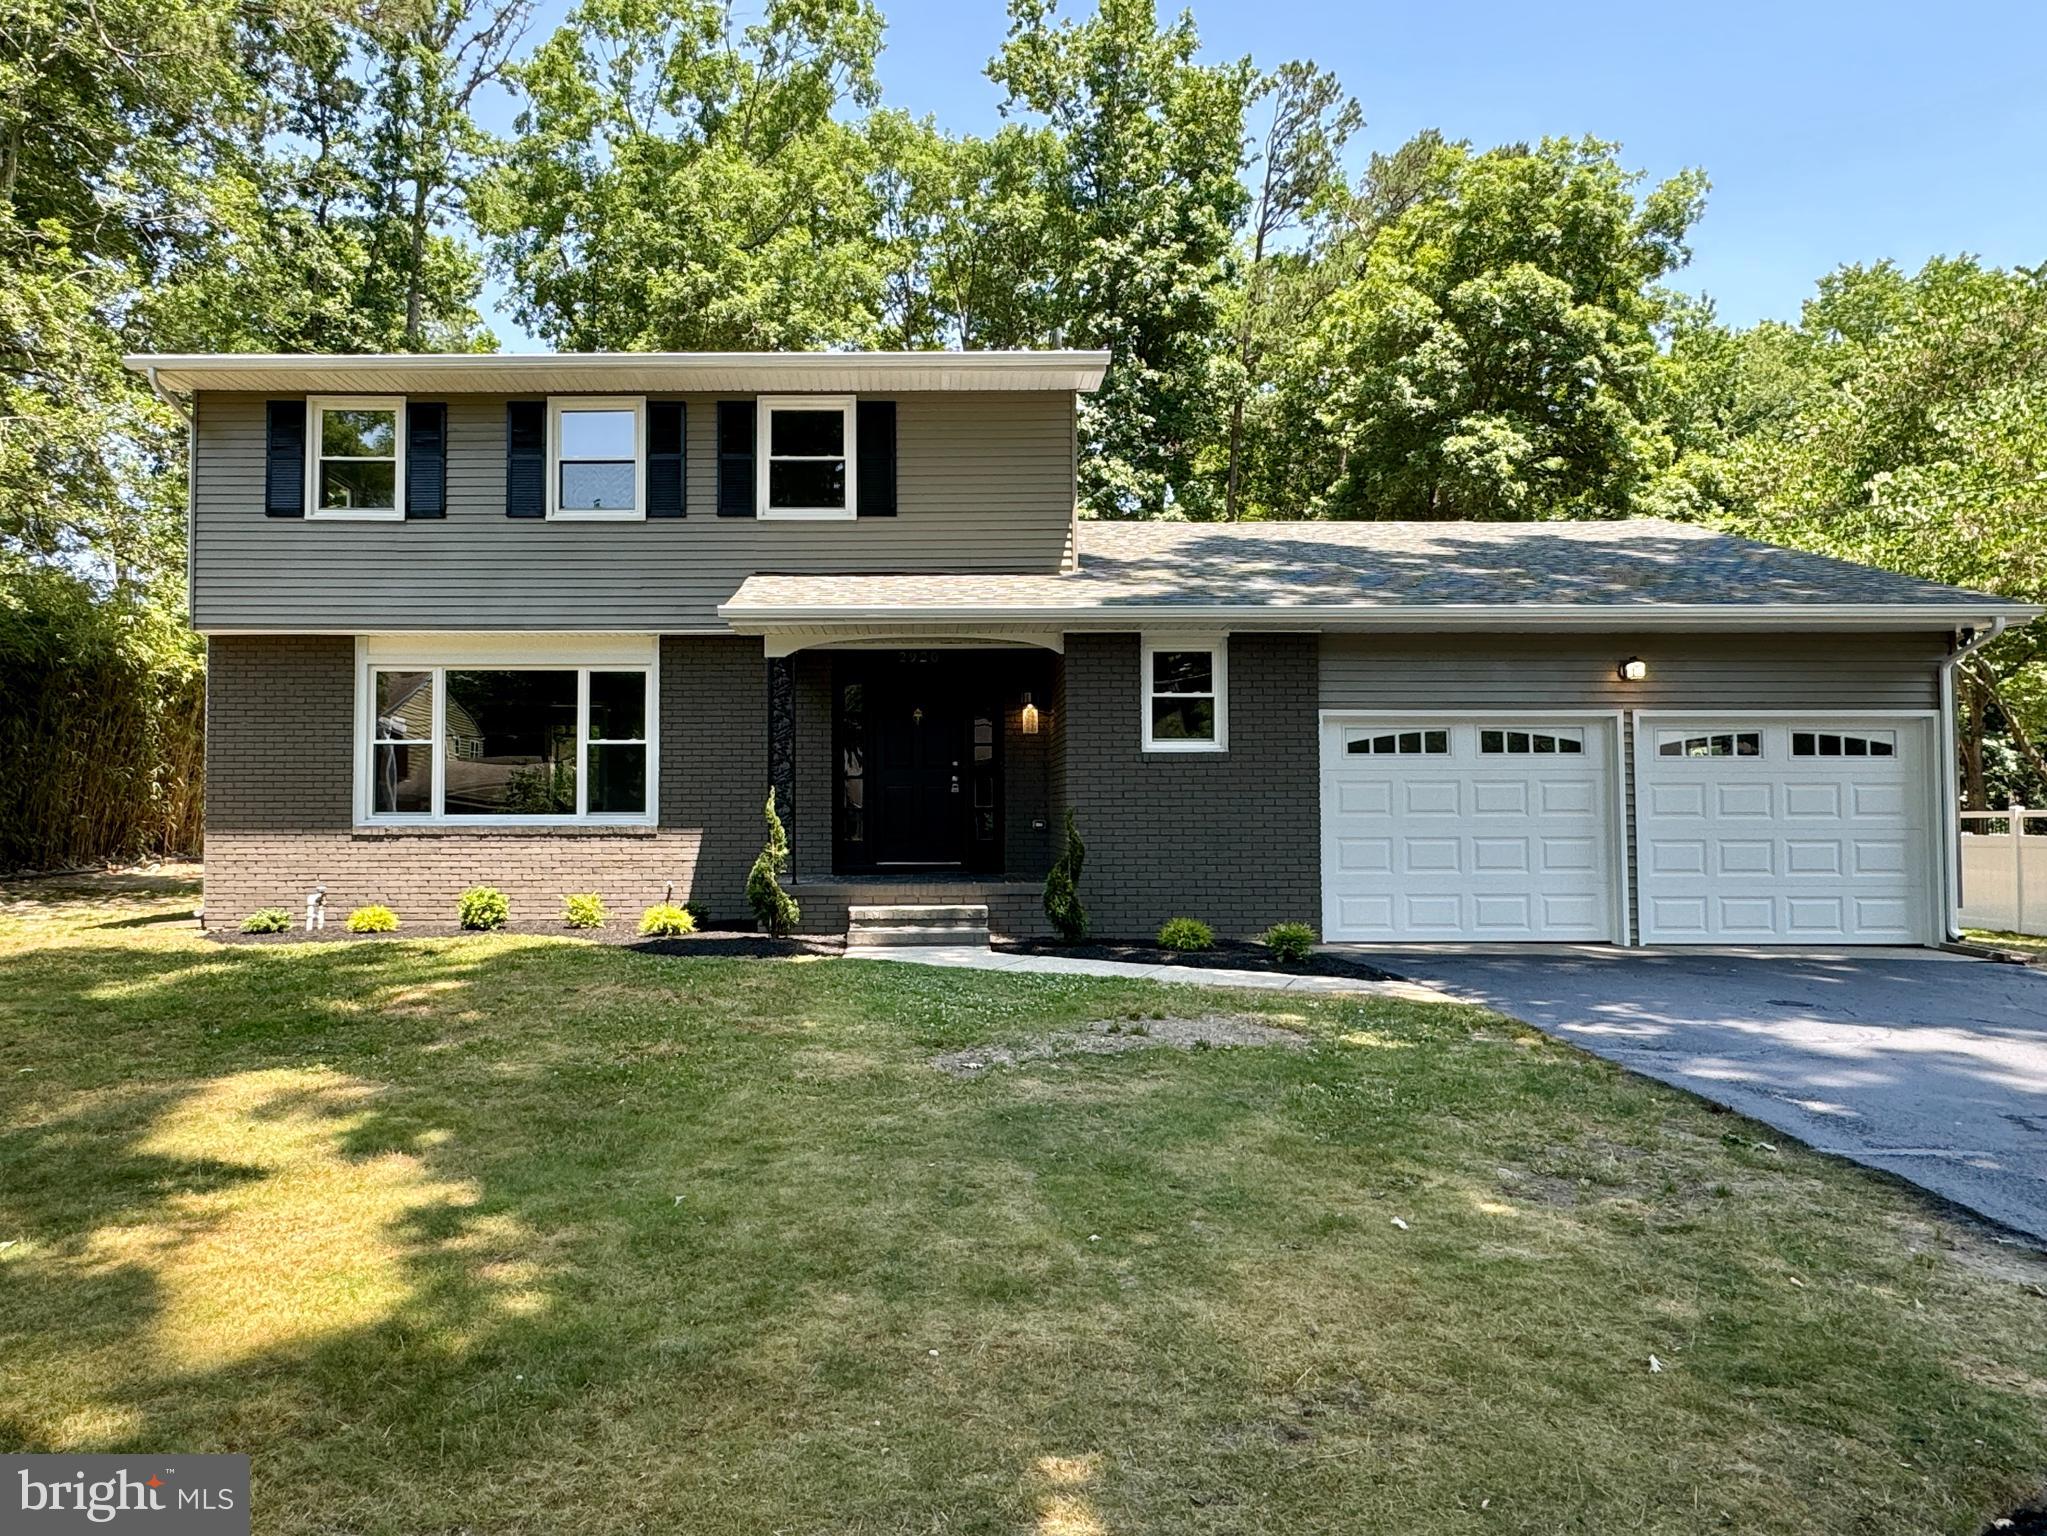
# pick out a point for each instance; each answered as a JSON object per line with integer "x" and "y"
{"x": 711, "y": 943}
{"x": 1228, "y": 955}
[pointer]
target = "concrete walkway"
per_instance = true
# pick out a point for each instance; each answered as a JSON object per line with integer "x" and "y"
{"x": 975, "y": 958}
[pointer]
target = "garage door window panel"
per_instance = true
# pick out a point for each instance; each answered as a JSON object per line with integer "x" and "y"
{"x": 1844, "y": 744}
{"x": 1709, "y": 744}
{"x": 1397, "y": 743}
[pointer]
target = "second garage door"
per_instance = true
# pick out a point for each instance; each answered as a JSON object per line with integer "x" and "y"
{"x": 1473, "y": 829}
{"x": 1776, "y": 830}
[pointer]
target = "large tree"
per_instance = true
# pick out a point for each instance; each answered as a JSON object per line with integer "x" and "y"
{"x": 1492, "y": 357}
{"x": 1141, "y": 207}
{"x": 677, "y": 183}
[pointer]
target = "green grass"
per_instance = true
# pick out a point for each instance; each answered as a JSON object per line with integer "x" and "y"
{"x": 505, "y": 1234}
{"x": 2028, "y": 943}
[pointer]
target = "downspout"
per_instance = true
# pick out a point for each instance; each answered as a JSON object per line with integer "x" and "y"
{"x": 1950, "y": 806}
{"x": 191, "y": 476}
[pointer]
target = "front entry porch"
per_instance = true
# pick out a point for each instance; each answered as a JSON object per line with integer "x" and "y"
{"x": 922, "y": 775}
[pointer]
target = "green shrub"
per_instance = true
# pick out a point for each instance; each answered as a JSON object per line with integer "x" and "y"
{"x": 664, "y": 920}
{"x": 373, "y": 919}
{"x": 1290, "y": 943}
{"x": 267, "y": 920}
{"x": 773, "y": 907}
{"x": 1186, "y": 933}
{"x": 482, "y": 906}
{"x": 584, "y": 911}
{"x": 699, "y": 912}
{"x": 1062, "y": 887}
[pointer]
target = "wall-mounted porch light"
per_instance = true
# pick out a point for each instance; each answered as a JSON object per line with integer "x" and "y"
{"x": 1030, "y": 717}
{"x": 1634, "y": 669}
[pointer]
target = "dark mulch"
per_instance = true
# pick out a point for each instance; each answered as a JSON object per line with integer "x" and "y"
{"x": 712, "y": 943}
{"x": 1228, "y": 955}
{"x": 2020, "y": 1522}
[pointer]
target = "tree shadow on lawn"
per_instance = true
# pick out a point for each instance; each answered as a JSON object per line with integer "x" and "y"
{"x": 504, "y": 1233}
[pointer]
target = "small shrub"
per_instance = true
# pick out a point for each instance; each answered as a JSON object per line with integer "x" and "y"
{"x": 1062, "y": 887}
{"x": 267, "y": 920}
{"x": 373, "y": 919}
{"x": 774, "y": 907}
{"x": 482, "y": 906}
{"x": 1186, "y": 933}
{"x": 1290, "y": 943}
{"x": 584, "y": 911}
{"x": 664, "y": 920}
{"x": 699, "y": 912}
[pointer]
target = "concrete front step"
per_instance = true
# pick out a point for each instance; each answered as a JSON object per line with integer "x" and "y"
{"x": 898, "y": 926}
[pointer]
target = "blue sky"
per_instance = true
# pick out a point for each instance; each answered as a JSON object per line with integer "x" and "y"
{"x": 1834, "y": 130}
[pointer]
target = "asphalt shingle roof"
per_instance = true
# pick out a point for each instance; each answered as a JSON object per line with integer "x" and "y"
{"x": 1642, "y": 563}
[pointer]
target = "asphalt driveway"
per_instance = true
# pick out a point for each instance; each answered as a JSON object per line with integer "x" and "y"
{"x": 1931, "y": 1066}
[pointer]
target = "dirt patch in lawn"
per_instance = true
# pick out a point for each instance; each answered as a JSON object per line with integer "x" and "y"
{"x": 1228, "y": 955}
{"x": 1112, "y": 1037}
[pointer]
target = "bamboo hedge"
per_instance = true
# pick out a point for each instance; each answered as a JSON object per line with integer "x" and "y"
{"x": 102, "y": 726}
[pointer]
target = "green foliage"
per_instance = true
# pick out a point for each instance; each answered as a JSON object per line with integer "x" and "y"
{"x": 373, "y": 919}
{"x": 699, "y": 912}
{"x": 1062, "y": 886}
{"x": 774, "y": 908}
{"x": 541, "y": 789}
{"x": 1186, "y": 933}
{"x": 584, "y": 911}
{"x": 481, "y": 906}
{"x": 667, "y": 921}
{"x": 267, "y": 920}
{"x": 1290, "y": 943}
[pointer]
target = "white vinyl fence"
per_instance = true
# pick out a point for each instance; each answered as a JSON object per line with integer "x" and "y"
{"x": 2004, "y": 870}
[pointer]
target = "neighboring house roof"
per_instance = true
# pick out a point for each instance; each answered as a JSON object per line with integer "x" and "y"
{"x": 664, "y": 372}
{"x": 1416, "y": 575}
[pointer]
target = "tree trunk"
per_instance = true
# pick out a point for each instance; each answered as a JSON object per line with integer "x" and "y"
{"x": 1988, "y": 681}
{"x": 1975, "y": 796}
{"x": 414, "y": 278}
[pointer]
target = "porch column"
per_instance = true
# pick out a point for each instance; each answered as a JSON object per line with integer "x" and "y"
{"x": 782, "y": 736}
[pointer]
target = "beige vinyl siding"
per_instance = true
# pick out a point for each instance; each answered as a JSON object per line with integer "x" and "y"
{"x": 984, "y": 483}
{"x": 1554, "y": 670}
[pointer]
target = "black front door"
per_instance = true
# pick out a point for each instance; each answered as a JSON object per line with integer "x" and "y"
{"x": 917, "y": 726}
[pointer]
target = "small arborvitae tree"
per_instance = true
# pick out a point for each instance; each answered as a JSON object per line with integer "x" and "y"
{"x": 774, "y": 907}
{"x": 1062, "y": 887}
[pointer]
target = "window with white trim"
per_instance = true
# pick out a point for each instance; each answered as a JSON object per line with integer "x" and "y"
{"x": 805, "y": 450}
{"x": 1186, "y": 693}
{"x": 509, "y": 744}
{"x": 1365, "y": 743}
{"x": 596, "y": 466}
{"x": 355, "y": 456}
{"x": 1504, "y": 742}
{"x": 1844, "y": 743}
{"x": 1709, "y": 744}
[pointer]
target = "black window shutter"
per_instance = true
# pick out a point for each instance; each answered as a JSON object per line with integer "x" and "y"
{"x": 426, "y": 459}
{"x": 664, "y": 458}
{"x": 526, "y": 458}
{"x": 284, "y": 463}
{"x": 876, "y": 429}
{"x": 735, "y": 458}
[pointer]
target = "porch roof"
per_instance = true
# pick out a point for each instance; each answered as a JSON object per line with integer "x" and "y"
{"x": 1314, "y": 575}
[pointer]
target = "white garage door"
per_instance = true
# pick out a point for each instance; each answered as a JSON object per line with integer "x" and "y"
{"x": 1766, "y": 830}
{"x": 1439, "y": 829}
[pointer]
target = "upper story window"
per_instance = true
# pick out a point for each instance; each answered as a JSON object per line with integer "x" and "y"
{"x": 596, "y": 457}
{"x": 806, "y": 447}
{"x": 356, "y": 459}
{"x": 1186, "y": 695}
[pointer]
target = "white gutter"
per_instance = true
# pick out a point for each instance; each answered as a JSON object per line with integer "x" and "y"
{"x": 1950, "y": 798}
{"x": 749, "y": 618}
{"x": 178, "y": 410}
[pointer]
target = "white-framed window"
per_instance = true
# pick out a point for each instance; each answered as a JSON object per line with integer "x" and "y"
{"x": 355, "y": 456}
{"x": 1508, "y": 741}
{"x": 481, "y": 738}
{"x": 1680, "y": 743}
{"x": 596, "y": 457}
{"x": 1185, "y": 694}
{"x": 805, "y": 453}
{"x": 1844, "y": 743}
{"x": 1368, "y": 743}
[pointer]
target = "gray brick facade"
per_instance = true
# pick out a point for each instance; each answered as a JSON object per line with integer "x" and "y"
{"x": 1233, "y": 838}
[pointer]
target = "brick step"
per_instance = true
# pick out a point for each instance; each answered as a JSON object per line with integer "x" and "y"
{"x": 898, "y": 926}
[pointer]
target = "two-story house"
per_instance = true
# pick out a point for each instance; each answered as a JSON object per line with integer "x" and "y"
{"x": 556, "y": 623}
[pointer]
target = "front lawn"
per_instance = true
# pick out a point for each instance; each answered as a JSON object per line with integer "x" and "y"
{"x": 513, "y": 1234}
